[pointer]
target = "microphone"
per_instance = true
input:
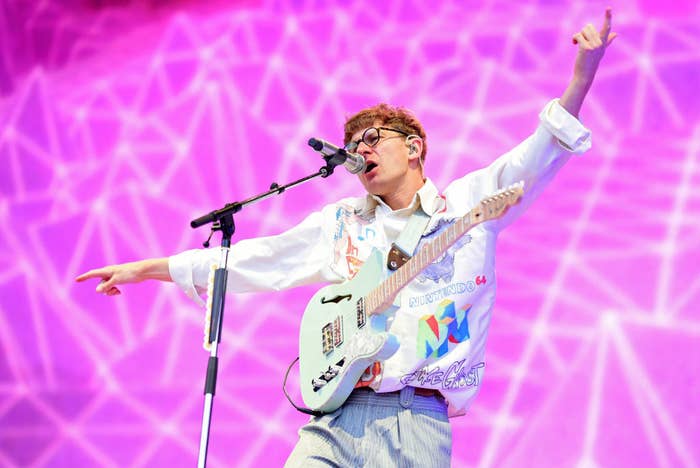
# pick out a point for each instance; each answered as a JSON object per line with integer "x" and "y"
{"x": 353, "y": 162}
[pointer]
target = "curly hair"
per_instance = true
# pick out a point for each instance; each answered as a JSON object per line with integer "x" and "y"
{"x": 391, "y": 116}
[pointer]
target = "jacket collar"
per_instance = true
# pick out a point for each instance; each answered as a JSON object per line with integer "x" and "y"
{"x": 427, "y": 198}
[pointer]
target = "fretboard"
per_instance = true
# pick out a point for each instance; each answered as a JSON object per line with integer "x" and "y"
{"x": 381, "y": 297}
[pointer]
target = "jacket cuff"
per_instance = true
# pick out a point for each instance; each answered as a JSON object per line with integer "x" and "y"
{"x": 180, "y": 267}
{"x": 566, "y": 128}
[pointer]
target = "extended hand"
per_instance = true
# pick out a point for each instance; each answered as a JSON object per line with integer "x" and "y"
{"x": 123, "y": 273}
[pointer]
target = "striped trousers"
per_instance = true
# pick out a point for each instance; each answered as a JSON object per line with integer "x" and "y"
{"x": 397, "y": 429}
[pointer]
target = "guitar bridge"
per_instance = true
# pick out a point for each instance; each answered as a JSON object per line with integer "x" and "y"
{"x": 327, "y": 375}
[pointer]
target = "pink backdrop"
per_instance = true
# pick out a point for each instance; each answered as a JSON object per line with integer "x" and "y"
{"x": 121, "y": 121}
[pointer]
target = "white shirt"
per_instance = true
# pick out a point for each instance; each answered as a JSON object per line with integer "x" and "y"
{"x": 443, "y": 320}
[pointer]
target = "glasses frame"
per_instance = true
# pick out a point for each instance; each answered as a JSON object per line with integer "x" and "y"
{"x": 353, "y": 145}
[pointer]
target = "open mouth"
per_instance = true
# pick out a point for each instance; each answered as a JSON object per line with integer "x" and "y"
{"x": 370, "y": 166}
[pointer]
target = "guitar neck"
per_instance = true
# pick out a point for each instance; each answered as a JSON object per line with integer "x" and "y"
{"x": 381, "y": 297}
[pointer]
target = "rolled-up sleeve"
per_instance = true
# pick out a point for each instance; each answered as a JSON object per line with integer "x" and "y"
{"x": 568, "y": 131}
{"x": 301, "y": 255}
{"x": 534, "y": 161}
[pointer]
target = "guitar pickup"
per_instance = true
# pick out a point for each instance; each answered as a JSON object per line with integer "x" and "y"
{"x": 361, "y": 316}
{"x": 338, "y": 331}
{"x": 327, "y": 338}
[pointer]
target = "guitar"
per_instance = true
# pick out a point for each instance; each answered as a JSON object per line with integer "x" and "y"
{"x": 343, "y": 329}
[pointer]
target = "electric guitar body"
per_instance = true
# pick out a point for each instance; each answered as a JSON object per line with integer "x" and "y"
{"x": 343, "y": 330}
{"x": 338, "y": 340}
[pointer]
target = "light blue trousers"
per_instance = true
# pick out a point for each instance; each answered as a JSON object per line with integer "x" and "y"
{"x": 377, "y": 430}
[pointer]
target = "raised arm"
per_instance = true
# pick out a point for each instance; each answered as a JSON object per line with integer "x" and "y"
{"x": 591, "y": 48}
{"x": 559, "y": 135}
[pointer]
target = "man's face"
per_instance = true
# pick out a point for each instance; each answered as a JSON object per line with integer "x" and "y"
{"x": 387, "y": 160}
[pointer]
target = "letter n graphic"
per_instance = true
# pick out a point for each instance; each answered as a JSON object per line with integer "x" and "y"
{"x": 446, "y": 325}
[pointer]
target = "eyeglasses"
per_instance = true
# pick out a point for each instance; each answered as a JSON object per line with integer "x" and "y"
{"x": 371, "y": 138}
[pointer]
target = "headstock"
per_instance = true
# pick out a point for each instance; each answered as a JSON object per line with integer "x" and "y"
{"x": 496, "y": 205}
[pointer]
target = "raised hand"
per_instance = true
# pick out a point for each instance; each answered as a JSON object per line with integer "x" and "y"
{"x": 591, "y": 48}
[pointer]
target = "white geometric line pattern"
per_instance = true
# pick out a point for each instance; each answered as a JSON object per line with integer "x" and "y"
{"x": 119, "y": 124}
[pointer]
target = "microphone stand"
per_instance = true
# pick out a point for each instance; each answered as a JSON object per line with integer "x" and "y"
{"x": 222, "y": 220}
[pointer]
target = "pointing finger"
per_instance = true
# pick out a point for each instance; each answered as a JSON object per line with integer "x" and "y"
{"x": 98, "y": 273}
{"x": 607, "y": 23}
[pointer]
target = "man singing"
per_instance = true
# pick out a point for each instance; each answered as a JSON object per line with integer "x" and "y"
{"x": 398, "y": 412}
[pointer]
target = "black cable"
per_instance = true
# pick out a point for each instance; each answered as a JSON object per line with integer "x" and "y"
{"x": 298, "y": 408}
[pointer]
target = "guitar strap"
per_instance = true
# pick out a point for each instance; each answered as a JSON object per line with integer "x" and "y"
{"x": 407, "y": 240}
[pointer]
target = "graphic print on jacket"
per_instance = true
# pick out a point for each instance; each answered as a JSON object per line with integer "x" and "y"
{"x": 448, "y": 324}
{"x": 350, "y": 225}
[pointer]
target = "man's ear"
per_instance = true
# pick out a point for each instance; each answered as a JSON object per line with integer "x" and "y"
{"x": 415, "y": 146}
